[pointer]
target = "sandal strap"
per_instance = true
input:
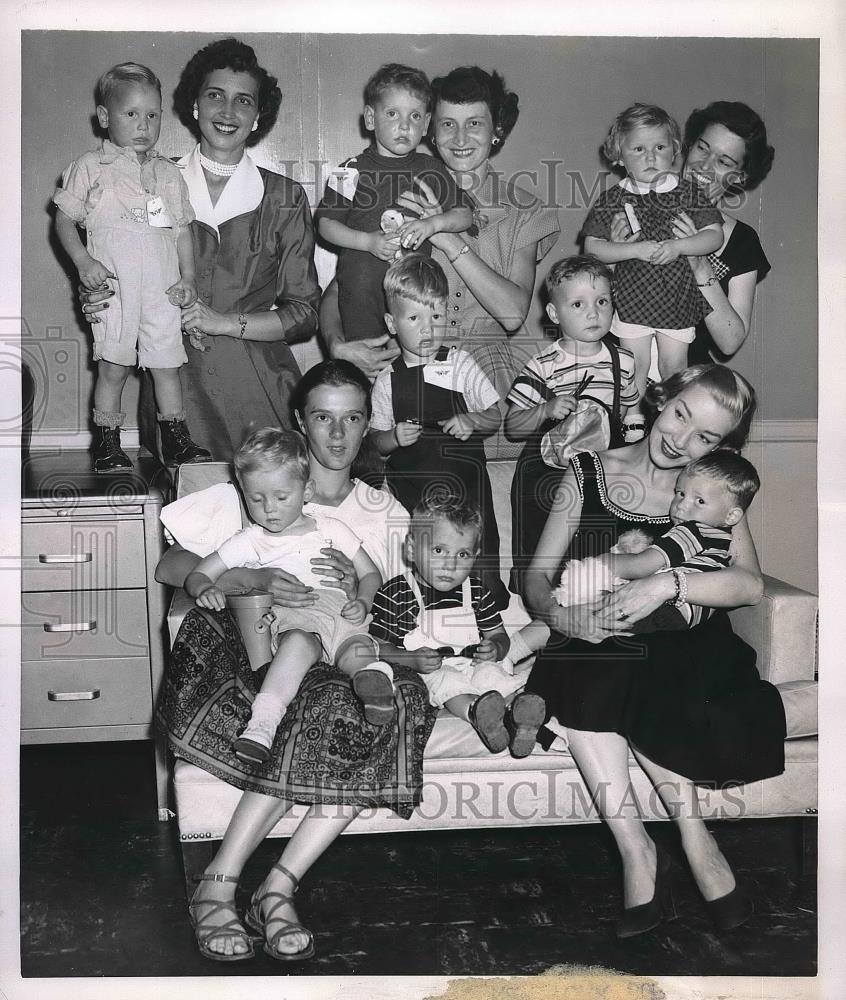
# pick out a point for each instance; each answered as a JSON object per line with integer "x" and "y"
{"x": 231, "y": 928}
{"x": 215, "y": 877}
{"x": 281, "y": 868}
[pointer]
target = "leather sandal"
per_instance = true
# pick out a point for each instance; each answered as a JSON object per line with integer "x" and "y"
{"x": 254, "y": 919}
{"x": 206, "y": 932}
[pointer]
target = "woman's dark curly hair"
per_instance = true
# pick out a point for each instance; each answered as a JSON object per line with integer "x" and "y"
{"x": 747, "y": 125}
{"x": 227, "y": 53}
{"x": 468, "y": 84}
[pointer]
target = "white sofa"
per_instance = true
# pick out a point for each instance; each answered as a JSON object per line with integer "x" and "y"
{"x": 466, "y": 787}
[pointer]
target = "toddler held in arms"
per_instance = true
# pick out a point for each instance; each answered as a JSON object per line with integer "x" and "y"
{"x": 711, "y": 495}
{"x": 273, "y": 474}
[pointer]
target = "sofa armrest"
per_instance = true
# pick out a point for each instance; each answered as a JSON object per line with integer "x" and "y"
{"x": 179, "y": 608}
{"x": 783, "y": 631}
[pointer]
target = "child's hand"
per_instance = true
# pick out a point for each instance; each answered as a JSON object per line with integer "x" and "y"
{"x": 425, "y": 660}
{"x": 415, "y": 232}
{"x": 667, "y": 253}
{"x": 486, "y": 650}
{"x": 559, "y": 407}
{"x": 183, "y": 293}
{"x": 407, "y": 433}
{"x": 94, "y": 275}
{"x": 354, "y": 611}
{"x": 211, "y": 598}
{"x": 460, "y": 426}
{"x": 383, "y": 245}
{"x": 646, "y": 250}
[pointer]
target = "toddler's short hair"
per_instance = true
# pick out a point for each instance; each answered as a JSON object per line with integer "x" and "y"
{"x": 417, "y": 277}
{"x": 272, "y": 447}
{"x": 128, "y": 72}
{"x": 639, "y": 116}
{"x": 569, "y": 267}
{"x": 438, "y": 503}
{"x": 738, "y": 475}
{"x": 396, "y": 75}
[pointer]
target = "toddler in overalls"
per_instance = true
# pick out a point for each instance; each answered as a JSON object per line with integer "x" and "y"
{"x": 441, "y": 620}
{"x": 135, "y": 209}
{"x": 433, "y": 408}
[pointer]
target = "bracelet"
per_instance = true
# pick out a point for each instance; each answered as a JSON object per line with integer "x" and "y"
{"x": 680, "y": 598}
{"x": 707, "y": 284}
{"x": 465, "y": 249}
{"x": 242, "y": 323}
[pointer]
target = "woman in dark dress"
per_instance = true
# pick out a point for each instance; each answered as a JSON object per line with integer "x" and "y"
{"x": 690, "y": 704}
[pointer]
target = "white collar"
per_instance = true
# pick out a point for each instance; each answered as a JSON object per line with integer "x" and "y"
{"x": 242, "y": 193}
{"x": 669, "y": 182}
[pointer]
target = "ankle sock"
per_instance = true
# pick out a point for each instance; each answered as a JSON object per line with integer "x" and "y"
{"x": 382, "y": 668}
{"x": 519, "y": 650}
{"x": 268, "y": 709}
{"x": 108, "y": 418}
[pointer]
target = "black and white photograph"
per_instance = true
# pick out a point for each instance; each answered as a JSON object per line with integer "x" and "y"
{"x": 424, "y": 460}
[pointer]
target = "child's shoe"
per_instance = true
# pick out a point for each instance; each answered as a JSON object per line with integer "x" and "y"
{"x": 525, "y": 718}
{"x": 634, "y": 429}
{"x": 374, "y": 687}
{"x": 254, "y": 743}
{"x": 177, "y": 446}
{"x": 109, "y": 457}
{"x": 486, "y": 715}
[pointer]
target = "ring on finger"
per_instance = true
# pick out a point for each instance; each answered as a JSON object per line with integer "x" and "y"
{"x": 622, "y": 616}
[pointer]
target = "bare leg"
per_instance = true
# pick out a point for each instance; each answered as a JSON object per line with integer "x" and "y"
{"x": 168, "y": 390}
{"x": 320, "y": 827}
{"x": 710, "y": 869}
{"x": 603, "y": 760}
{"x": 356, "y": 653}
{"x": 672, "y": 355}
{"x": 460, "y": 705}
{"x": 641, "y": 347}
{"x": 253, "y": 819}
{"x": 109, "y": 386}
{"x": 296, "y": 653}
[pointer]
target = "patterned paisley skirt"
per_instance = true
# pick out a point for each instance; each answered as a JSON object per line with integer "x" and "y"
{"x": 325, "y": 751}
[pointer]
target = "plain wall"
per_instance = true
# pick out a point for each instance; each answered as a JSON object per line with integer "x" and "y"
{"x": 570, "y": 89}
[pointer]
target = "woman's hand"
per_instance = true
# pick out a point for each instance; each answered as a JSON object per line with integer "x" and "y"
{"x": 425, "y": 205}
{"x": 682, "y": 227}
{"x": 635, "y": 600}
{"x": 415, "y": 232}
{"x": 93, "y": 302}
{"x": 621, "y": 231}
{"x": 668, "y": 251}
{"x": 337, "y": 571}
{"x": 581, "y": 621}
{"x": 198, "y": 318}
{"x": 285, "y": 589}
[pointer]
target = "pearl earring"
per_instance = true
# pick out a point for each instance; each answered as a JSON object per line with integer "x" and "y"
{"x": 196, "y": 113}
{"x": 255, "y": 126}
{"x": 496, "y": 140}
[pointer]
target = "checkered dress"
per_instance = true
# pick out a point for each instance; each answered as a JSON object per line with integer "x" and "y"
{"x": 655, "y": 295}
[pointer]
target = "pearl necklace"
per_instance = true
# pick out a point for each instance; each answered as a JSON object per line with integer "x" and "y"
{"x": 218, "y": 169}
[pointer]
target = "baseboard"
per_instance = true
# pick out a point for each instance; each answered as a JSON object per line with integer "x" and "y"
{"x": 46, "y": 441}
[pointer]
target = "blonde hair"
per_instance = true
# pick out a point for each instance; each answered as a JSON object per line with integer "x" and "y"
{"x": 639, "y": 116}
{"x": 415, "y": 276}
{"x": 272, "y": 448}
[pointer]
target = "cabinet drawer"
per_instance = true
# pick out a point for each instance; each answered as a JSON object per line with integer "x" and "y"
{"x": 82, "y": 554}
{"x": 87, "y": 624}
{"x": 67, "y": 693}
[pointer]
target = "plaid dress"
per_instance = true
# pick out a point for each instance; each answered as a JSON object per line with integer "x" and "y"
{"x": 662, "y": 296}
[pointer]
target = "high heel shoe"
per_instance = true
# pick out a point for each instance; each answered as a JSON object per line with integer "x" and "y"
{"x": 731, "y": 910}
{"x": 640, "y": 919}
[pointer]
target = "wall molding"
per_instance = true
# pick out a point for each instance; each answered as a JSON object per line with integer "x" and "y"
{"x": 763, "y": 431}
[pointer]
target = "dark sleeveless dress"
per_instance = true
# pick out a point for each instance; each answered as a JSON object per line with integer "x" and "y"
{"x": 692, "y": 701}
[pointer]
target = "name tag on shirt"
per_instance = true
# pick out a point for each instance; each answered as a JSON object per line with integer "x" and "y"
{"x": 440, "y": 373}
{"x": 157, "y": 213}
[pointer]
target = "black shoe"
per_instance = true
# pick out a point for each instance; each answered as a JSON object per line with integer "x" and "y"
{"x": 525, "y": 717}
{"x": 640, "y": 919}
{"x": 729, "y": 911}
{"x": 486, "y": 717}
{"x": 177, "y": 446}
{"x": 109, "y": 457}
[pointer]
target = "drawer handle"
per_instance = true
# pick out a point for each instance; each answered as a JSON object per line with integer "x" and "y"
{"x": 73, "y": 695}
{"x": 76, "y": 557}
{"x": 70, "y": 627}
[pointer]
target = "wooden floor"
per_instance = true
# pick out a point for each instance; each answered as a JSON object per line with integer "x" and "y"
{"x": 102, "y": 892}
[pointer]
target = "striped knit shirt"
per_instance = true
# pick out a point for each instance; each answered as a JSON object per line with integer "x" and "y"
{"x": 395, "y": 609}
{"x": 555, "y": 372}
{"x": 697, "y": 548}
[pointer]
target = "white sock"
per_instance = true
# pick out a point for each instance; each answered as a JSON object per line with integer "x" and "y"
{"x": 518, "y": 650}
{"x": 382, "y": 668}
{"x": 268, "y": 709}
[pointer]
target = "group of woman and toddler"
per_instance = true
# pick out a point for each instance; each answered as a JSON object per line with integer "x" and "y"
{"x": 387, "y": 595}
